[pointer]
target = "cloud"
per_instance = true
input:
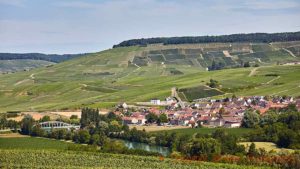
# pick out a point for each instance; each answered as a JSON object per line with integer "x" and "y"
{"x": 78, "y": 4}
{"x": 16, "y": 3}
{"x": 273, "y": 5}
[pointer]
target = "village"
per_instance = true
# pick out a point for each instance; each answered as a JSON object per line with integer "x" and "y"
{"x": 228, "y": 112}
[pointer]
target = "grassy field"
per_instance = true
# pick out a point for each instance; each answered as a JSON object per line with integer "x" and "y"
{"x": 192, "y": 131}
{"x": 22, "y": 64}
{"x": 44, "y": 153}
{"x": 106, "y": 78}
{"x": 268, "y": 146}
{"x": 59, "y": 159}
{"x": 32, "y": 143}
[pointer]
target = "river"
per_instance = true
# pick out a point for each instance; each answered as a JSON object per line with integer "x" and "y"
{"x": 165, "y": 151}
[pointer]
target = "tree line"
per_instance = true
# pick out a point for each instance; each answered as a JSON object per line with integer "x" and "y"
{"x": 39, "y": 56}
{"x": 251, "y": 37}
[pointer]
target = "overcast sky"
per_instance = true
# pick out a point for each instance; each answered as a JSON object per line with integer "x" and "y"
{"x": 79, "y": 26}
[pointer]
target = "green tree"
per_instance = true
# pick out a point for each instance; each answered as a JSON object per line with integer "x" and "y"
{"x": 27, "y": 124}
{"x": 251, "y": 119}
{"x": 95, "y": 139}
{"x": 252, "y": 150}
{"x": 45, "y": 118}
{"x": 204, "y": 146}
{"x": 162, "y": 118}
{"x": 84, "y": 136}
{"x": 151, "y": 118}
{"x": 74, "y": 117}
{"x": 247, "y": 64}
{"x": 38, "y": 131}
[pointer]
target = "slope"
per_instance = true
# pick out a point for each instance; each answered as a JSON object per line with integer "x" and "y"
{"x": 108, "y": 77}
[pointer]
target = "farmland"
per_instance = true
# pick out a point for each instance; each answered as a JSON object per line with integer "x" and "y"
{"x": 106, "y": 78}
{"x": 192, "y": 131}
{"x": 31, "y": 152}
{"x": 68, "y": 159}
{"x": 32, "y": 143}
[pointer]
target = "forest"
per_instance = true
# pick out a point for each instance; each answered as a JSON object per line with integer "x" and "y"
{"x": 38, "y": 56}
{"x": 251, "y": 37}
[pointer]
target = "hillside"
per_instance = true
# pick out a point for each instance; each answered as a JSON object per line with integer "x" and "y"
{"x": 13, "y": 62}
{"x": 134, "y": 74}
{"x": 234, "y": 38}
{"x": 22, "y": 65}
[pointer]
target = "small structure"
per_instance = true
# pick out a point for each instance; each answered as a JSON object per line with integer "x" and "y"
{"x": 155, "y": 101}
{"x": 49, "y": 125}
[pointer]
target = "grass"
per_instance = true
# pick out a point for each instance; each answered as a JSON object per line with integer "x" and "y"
{"x": 268, "y": 146}
{"x": 198, "y": 92}
{"x": 22, "y": 64}
{"x": 32, "y": 143}
{"x": 192, "y": 131}
{"x": 59, "y": 159}
{"x": 83, "y": 81}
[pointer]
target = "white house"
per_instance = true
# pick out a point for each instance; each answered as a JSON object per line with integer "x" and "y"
{"x": 155, "y": 101}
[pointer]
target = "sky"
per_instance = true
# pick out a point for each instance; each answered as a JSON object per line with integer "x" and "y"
{"x": 82, "y": 26}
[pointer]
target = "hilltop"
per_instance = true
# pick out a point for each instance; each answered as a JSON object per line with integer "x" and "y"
{"x": 13, "y": 62}
{"x": 136, "y": 73}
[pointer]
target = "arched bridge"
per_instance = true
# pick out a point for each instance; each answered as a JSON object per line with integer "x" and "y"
{"x": 48, "y": 125}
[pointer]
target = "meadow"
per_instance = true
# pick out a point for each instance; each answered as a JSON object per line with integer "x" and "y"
{"x": 68, "y": 159}
{"x": 109, "y": 77}
{"x": 192, "y": 131}
{"x": 32, "y": 143}
{"x": 30, "y": 152}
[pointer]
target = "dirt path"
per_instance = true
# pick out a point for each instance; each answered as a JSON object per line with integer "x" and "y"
{"x": 273, "y": 79}
{"x": 226, "y": 53}
{"x": 32, "y": 76}
{"x": 291, "y": 53}
{"x": 253, "y": 72}
{"x": 25, "y": 80}
{"x": 12, "y": 135}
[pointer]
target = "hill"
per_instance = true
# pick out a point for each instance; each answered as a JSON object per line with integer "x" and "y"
{"x": 234, "y": 38}
{"x": 133, "y": 74}
{"x": 13, "y": 62}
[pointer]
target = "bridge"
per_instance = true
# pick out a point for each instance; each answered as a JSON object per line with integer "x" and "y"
{"x": 48, "y": 125}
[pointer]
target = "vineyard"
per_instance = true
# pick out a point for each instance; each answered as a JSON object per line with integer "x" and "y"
{"x": 72, "y": 159}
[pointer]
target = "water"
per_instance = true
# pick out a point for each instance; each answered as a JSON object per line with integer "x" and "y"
{"x": 165, "y": 151}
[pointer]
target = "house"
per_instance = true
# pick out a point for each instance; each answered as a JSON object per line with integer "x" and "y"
{"x": 139, "y": 120}
{"x": 217, "y": 122}
{"x": 232, "y": 124}
{"x": 155, "y": 101}
{"x": 130, "y": 120}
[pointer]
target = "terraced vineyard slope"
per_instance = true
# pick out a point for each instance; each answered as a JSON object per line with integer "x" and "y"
{"x": 134, "y": 74}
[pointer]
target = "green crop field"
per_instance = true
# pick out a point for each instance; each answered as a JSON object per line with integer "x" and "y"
{"x": 33, "y": 152}
{"x": 198, "y": 92}
{"x": 69, "y": 159}
{"x": 32, "y": 143}
{"x": 192, "y": 131}
{"x": 109, "y": 77}
{"x": 22, "y": 64}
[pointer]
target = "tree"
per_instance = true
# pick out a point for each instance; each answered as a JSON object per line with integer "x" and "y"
{"x": 162, "y": 118}
{"x": 83, "y": 136}
{"x": 37, "y": 131}
{"x": 151, "y": 118}
{"x": 252, "y": 150}
{"x": 26, "y": 124}
{"x": 89, "y": 117}
{"x": 269, "y": 118}
{"x": 95, "y": 139}
{"x": 45, "y": 118}
{"x": 251, "y": 119}
{"x": 247, "y": 64}
{"x": 74, "y": 117}
{"x": 204, "y": 146}
{"x": 213, "y": 83}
